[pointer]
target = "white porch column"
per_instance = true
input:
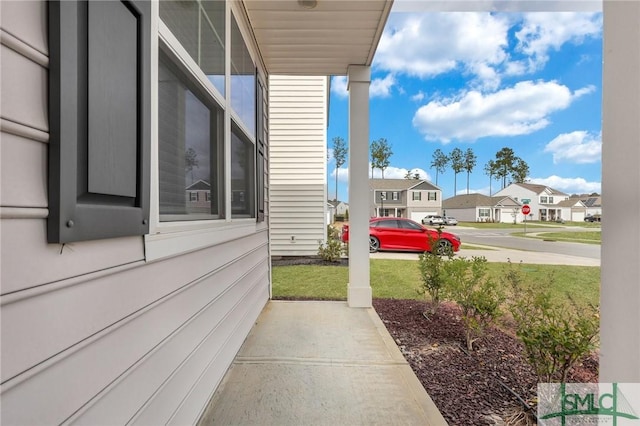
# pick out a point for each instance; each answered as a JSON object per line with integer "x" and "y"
{"x": 359, "y": 290}
{"x": 620, "y": 272}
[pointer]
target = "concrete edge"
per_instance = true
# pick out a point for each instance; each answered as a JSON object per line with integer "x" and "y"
{"x": 415, "y": 388}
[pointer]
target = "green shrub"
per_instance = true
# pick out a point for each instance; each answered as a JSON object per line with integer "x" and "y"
{"x": 333, "y": 248}
{"x": 432, "y": 274}
{"x": 479, "y": 297}
{"x": 555, "y": 335}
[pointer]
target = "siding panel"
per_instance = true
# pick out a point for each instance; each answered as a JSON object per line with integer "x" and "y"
{"x": 24, "y": 90}
{"x": 22, "y": 186}
{"x": 27, "y": 21}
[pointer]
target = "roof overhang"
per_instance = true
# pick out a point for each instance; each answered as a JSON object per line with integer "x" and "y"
{"x": 294, "y": 39}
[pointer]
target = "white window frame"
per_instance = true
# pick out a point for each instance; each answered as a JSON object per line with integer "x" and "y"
{"x": 166, "y": 239}
{"x": 394, "y": 195}
{"x": 383, "y": 195}
{"x": 416, "y": 196}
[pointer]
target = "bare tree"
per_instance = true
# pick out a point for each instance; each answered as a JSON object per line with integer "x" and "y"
{"x": 440, "y": 161}
{"x": 457, "y": 164}
{"x": 469, "y": 163}
{"x": 340, "y": 155}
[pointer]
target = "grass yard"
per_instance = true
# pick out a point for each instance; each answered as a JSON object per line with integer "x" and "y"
{"x": 589, "y": 237}
{"x": 499, "y": 225}
{"x": 400, "y": 279}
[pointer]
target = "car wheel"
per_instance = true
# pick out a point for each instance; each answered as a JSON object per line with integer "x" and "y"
{"x": 444, "y": 247}
{"x": 374, "y": 244}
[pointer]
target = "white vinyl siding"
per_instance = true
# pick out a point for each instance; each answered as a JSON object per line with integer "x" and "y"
{"x": 94, "y": 332}
{"x": 297, "y": 148}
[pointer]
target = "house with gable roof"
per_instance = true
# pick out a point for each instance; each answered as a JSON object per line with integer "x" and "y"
{"x": 482, "y": 208}
{"x": 543, "y": 200}
{"x": 410, "y": 198}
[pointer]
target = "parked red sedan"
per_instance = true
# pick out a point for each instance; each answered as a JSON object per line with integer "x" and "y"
{"x": 397, "y": 233}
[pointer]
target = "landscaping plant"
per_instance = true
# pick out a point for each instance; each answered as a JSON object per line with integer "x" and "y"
{"x": 431, "y": 265}
{"x": 555, "y": 335}
{"x": 477, "y": 295}
{"x": 333, "y": 248}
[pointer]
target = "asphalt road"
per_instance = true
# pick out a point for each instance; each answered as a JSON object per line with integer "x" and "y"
{"x": 501, "y": 238}
{"x": 496, "y": 245}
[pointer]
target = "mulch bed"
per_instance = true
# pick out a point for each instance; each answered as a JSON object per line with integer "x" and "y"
{"x": 493, "y": 384}
{"x": 469, "y": 388}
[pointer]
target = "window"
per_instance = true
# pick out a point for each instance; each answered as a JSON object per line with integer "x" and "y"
{"x": 193, "y": 196}
{"x": 550, "y": 200}
{"x": 242, "y": 175}
{"x": 189, "y": 145}
{"x": 383, "y": 196}
{"x": 432, "y": 196}
{"x": 395, "y": 196}
{"x": 543, "y": 199}
{"x": 416, "y": 196}
{"x": 243, "y": 80}
{"x": 484, "y": 212}
{"x": 200, "y": 28}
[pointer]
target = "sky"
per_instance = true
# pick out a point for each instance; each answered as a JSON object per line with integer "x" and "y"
{"x": 530, "y": 81}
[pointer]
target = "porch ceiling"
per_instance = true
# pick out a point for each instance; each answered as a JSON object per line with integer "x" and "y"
{"x": 324, "y": 40}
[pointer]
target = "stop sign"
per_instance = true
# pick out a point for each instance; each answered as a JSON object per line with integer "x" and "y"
{"x": 526, "y": 209}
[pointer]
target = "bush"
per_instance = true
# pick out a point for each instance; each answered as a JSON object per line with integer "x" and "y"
{"x": 478, "y": 296}
{"x": 555, "y": 336}
{"x": 432, "y": 273}
{"x": 332, "y": 249}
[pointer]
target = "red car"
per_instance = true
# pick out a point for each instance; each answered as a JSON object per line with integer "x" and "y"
{"x": 397, "y": 233}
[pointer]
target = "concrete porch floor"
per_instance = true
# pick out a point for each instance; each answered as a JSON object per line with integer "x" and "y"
{"x": 320, "y": 363}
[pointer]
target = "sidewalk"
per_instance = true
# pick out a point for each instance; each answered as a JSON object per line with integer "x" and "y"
{"x": 320, "y": 363}
{"x": 496, "y": 254}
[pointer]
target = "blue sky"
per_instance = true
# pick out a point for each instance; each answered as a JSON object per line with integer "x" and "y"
{"x": 529, "y": 81}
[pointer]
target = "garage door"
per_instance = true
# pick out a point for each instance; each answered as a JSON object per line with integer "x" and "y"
{"x": 417, "y": 216}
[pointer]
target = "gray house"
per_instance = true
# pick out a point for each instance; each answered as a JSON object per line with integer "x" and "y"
{"x": 127, "y": 288}
{"x": 482, "y": 208}
{"x": 410, "y": 198}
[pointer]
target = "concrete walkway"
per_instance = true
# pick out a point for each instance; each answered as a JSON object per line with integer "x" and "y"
{"x": 320, "y": 363}
{"x": 495, "y": 254}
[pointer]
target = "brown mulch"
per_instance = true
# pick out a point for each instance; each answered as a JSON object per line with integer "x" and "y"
{"x": 469, "y": 388}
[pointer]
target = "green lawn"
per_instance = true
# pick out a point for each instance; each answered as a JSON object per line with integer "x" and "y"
{"x": 590, "y": 237}
{"x": 400, "y": 279}
{"x": 489, "y": 225}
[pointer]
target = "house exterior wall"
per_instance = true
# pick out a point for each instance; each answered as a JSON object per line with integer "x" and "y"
{"x": 298, "y": 193}
{"x": 101, "y": 331}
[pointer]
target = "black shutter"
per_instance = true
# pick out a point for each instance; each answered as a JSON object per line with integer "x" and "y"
{"x": 99, "y": 118}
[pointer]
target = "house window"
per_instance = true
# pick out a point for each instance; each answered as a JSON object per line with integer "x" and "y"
{"x": 200, "y": 28}
{"x": 431, "y": 196}
{"x": 189, "y": 142}
{"x": 383, "y": 196}
{"x": 243, "y": 80}
{"x": 550, "y": 200}
{"x": 543, "y": 200}
{"x": 193, "y": 196}
{"x": 416, "y": 196}
{"x": 242, "y": 175}
{"x": 395, "y": 196}
{"x": 484, "y": 212}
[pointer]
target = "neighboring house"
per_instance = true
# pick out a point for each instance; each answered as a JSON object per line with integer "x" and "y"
{"x": 331, "y": 211}
{"x": 410, "y": 198}
{"x": 593, "y": 205}
{"x": 340, "y": 207}
{"x": 198, "y": 197}
{"x": 118, "y": 304}
{"x": 482, "y": 208}
{"x": 298, "y": 113}
{"x": 543, "y": 201}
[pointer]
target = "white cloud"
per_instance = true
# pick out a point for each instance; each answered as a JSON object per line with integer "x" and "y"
{"x": 569, "y": 185}
{"x": 418, "y": 97}
{"x": 390, "y": 172}
{"x": 518, "y": 110}
{"x": 339, "y": 86}
{"x": 330, "y": 155}
{"x": 380, "y": 87}
{"x": 542, "y": 32}
{"x": 576, "y": 147}
{"x": 425, "y": 45}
